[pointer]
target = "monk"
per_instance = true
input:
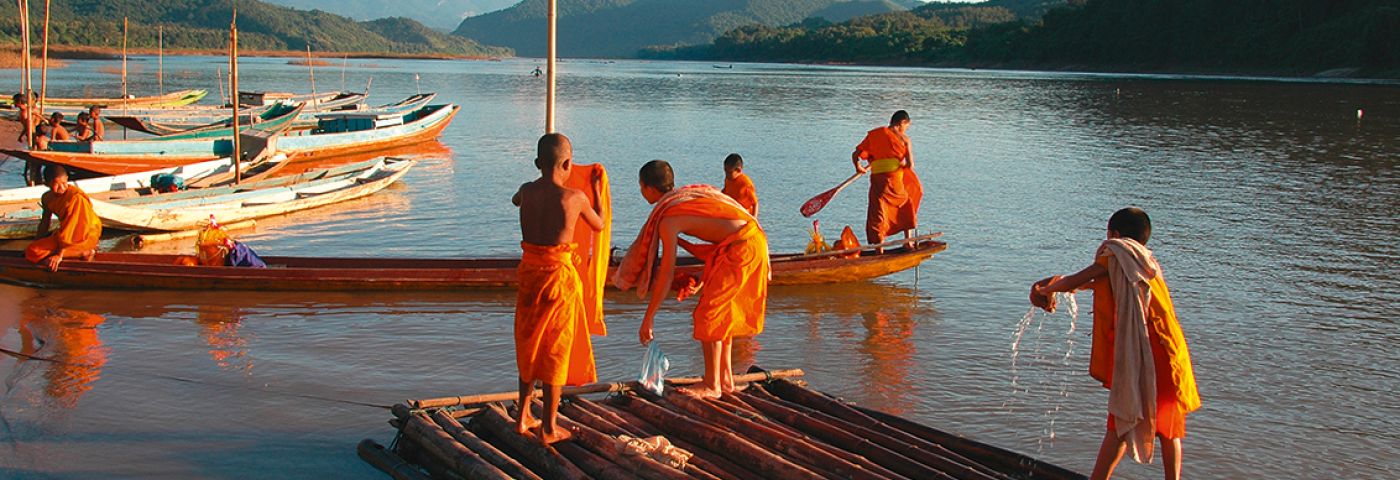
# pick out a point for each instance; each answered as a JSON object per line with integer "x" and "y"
{"x": 551, "y": 333}
{"x": 98, "y": 130}
{"x": 738, "y": 185}
{"x": 79, "y": 228}
{"x": 57, "y": 132}
{"x": 895, "y": 191}
{"x": 734, "y": 282}
{"x": 1139, "y": 352}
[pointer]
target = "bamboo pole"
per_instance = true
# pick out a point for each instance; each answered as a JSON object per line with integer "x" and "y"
{"x": 484, "y": 449}
{"x": 160, "y": 47}
{"x": 26, "y": 83}
{"x": 311, "y": 68}
{"x": 705, "y": 458}
{"x": 716, "y": 439}
{"x": 751, "y": 413}
{"x": 442, "y": 447}
{"x": 44, "y": 63}
{"x": 388, "y": 462}
{"x": 616, "y": 387}
{"x": 221, "y": 80}
{"x": 549, "y": 86}
{"x": 344, "y": 62}
{"x": 125, "y": 102}
{"x": 233, "y": 90}
{"x": 1009, "y": 460}
{"x": 697, "y": 467}
{"x": 610, "y": 449}
{"x": 546, "y": 461}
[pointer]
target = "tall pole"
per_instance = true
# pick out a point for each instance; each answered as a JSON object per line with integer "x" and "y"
{"x": 549, "y": 88}
{"x": 312, "y": 69}
{"x": 44, "y": 63}
{"x": 25, "y": 82}
{"x": 233, "y": 86}
{"x": 126, "y": 105}
{"x": 160, "y": 46}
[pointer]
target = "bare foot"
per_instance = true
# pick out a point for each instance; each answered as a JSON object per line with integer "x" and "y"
{"x": 525, "y": 424}
{"x": 89, "y": 255}
{"x": 558, "y": 435}
{"x": 700, "y": 392}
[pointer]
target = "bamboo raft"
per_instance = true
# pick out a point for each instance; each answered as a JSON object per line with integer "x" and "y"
{"x": 774, "y": 427}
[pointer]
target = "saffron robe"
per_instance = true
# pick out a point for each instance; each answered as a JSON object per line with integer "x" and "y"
{"x": 734, "y": 291}
{"x": 594, "y": 248}
{"x": 1174, "y": 381}
{"x": 79, "y": 226}
{"x": 895, "y": 191}
{"x": 741, "y": 190}
{"x": 551, "y": 331}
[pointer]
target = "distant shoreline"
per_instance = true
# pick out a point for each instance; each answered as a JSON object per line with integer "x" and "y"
{"x": 10, "y": 54}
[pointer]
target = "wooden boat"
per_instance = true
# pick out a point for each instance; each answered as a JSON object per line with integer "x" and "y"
{"x": 278, "y": 118}
{"x": 195, "y": 172}
{"x": 172, "y": 99}
{"x": 166, "y": 122}
{"x": 155, "y": 271}
{"x": 770, "y": 427}
{"x": 340, "y": 134}
{"x": 21, "y": 220}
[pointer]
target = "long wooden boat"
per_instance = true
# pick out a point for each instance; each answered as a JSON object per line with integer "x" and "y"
{"x": 279, "y": 118}
{"x": 339, "y": 136}
{"x": 166, "y": 122}
{"x": 191, "y": 173}
{"x": 158, "y": 271}
{"x": 172, "y": 99}
{"x": 20, "y": 220}
{"x": 771, "y": 426}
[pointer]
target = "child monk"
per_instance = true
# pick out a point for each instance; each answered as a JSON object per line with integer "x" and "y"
{"x": 79, "y": 228}
{"x": 551, "y": 332}
{"x": 99, "y": 131}
{"x": 738, "y": 185}
{"x": 734, "y": 282}
{"x": 58, "y": 132}
{"x": 1139, "y": 352}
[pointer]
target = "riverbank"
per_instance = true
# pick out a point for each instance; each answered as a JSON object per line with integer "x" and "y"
{"x": 10, "y": 54}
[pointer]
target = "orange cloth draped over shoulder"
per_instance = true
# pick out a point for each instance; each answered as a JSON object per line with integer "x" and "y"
{"x": 734, "y": 291}
{"x": 741, "y": 190}
{"x": 895, "y": 190}
{"x": 559, "y": 300}
{"x": 1175, "y": 380}
{"x": 79, "y": 227}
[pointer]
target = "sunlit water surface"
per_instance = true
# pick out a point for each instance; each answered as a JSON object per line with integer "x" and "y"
{"x": 1275, "y": 214}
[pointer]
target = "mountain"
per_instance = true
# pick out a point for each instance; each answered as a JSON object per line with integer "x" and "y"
{"x": 620, "y": 28}
{"x": 845, "y": 11}
{"x": 198, "y": 24}
{"x": 1026, "y": 9}
{"x": 443, "y": 15}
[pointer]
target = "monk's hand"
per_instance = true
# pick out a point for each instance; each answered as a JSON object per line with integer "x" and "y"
{"x": 51, "y": 263}
{"x": 645, "y": 335}
{"x": 862, "y": 168}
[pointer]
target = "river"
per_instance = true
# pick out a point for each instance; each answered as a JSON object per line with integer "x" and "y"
{"x": 1275, "y": 211}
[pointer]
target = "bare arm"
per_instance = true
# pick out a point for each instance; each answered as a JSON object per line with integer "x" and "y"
{"x": 515, "y": 200}
{"x": 44, "y": 220}
{"x": 855, "y": 160}
{"x": 1074, "y": 282}
{"x": 661, "y": 283}
{"x": 591, "y": 216}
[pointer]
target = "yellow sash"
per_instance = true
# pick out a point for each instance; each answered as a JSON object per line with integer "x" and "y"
{"x": 884, "y": 165}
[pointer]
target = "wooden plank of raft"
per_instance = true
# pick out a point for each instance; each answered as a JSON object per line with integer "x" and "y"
{"x": 444, "y": 448}
{"x": 602, "y": 420}
{"x": 929, "y": 453}
{"x": 544, "y": 461}
{"x": 618, "y": 387}
{"x": 751, "y": 413}
{"x": 609, "y": 448}
{"x": 1008, "y": 460}
{"x": 488, "y": 452}
{"x": 387, "y": 461}
{"x": 744, "y": 452}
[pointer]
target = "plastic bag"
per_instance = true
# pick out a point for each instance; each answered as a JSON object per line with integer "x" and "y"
{"x": 654, "y": 367}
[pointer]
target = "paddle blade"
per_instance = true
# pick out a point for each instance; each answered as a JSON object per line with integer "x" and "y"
{"x": 817, "y": 203}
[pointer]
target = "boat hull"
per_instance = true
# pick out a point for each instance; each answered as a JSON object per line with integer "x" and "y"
{"x": 158, "y": 271}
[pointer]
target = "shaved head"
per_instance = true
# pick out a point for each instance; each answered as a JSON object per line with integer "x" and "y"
{"x": 552, "y": 150}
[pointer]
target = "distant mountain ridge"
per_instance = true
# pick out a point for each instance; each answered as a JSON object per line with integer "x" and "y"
{"x": 198, "y": 24}
{"x": 442, "y": 15}
{"x": 620, "y": 28}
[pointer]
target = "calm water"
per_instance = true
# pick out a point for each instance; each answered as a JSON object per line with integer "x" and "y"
{"x": 1275, "y": 216}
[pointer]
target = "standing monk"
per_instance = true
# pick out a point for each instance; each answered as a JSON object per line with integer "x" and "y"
{"x": 98, "y": 130}
{"x": 738, "y": 185}
{"x": 551, "y": 316}
{"x": 79, "y": 227}
{"x": 734, "y": 289}
{"x": 895, "y": 190}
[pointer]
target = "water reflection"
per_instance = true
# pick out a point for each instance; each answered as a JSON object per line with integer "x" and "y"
{"x": 66, "y": 339}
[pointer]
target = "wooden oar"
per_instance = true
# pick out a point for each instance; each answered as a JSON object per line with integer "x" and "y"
{"x": 817, "y": 203}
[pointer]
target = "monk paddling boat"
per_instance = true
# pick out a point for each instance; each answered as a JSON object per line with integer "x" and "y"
{"x": 339, "y": 134}
{"x": 155, "y": 271}
{"x": 172, "y": 99}
{"x": 771, "y": 427}
{"x": 21, "y": 220}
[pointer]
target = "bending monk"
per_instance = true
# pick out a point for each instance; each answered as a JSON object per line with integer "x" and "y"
{"x": 734, "y": 289}
{"x": 79, "y": 227}
{"x": 551, "y": 331}
{"x": 1139, "y": 352}
{"x": 895, "y": 191}
{"x": 738, "y": 185}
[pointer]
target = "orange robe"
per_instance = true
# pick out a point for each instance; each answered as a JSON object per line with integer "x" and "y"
{"x": 895, "y": 191}
{"x": 1176, "y": 383}
{"x": 79, "y": 228}
{"x": 551, "y": 330}
{"x": 741, "y": 190}
{"x": 734, "y": 290}
{"x": 594, "y": 248}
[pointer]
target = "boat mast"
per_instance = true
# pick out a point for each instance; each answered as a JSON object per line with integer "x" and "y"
{"x": 233, "y": 91}
{"x": 310, "y": 67}
{"x": 25, "y": 83}
{"x": 44, "y": 63}
{"x": 549, "y": 87}
{"x": 160, "y": 48}
{"x": 125, "y": 103}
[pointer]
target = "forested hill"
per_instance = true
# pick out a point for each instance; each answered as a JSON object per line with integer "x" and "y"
{"x": 619, "y": 28}
{"x": 1263, "y": 36}
{"x": 200, "y": 24}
